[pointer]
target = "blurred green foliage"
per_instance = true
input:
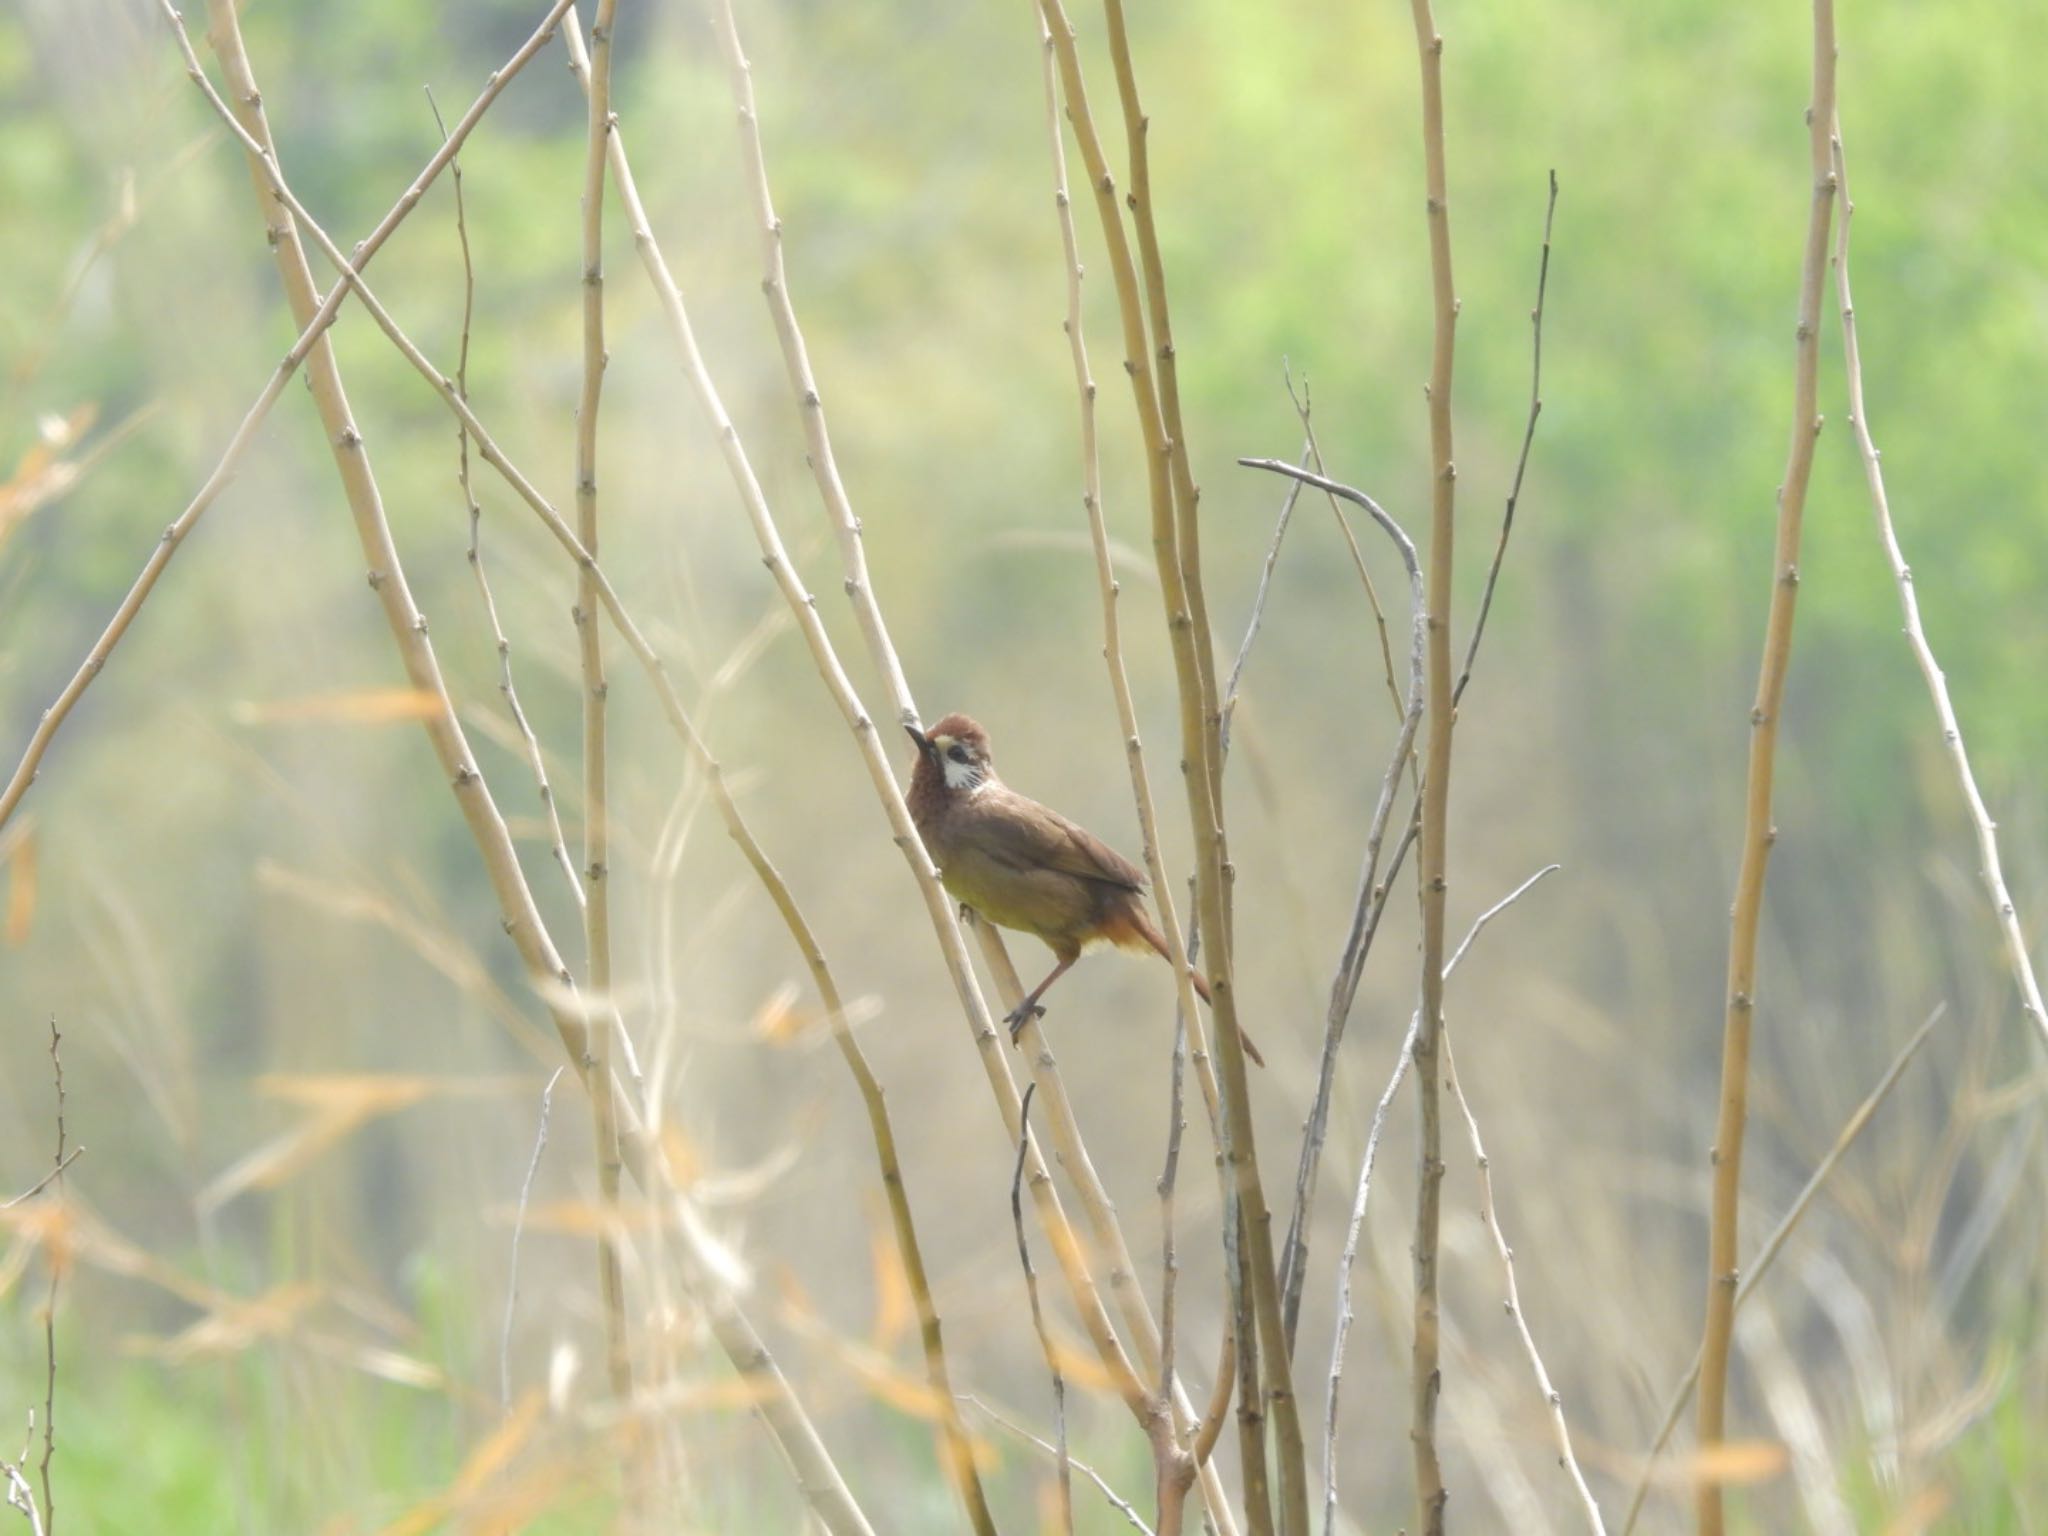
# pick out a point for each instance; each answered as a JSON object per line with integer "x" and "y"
{"x": 907, "y": 149}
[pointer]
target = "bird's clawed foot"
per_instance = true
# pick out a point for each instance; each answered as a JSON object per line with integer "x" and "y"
{"x": 1021, "y": 1015}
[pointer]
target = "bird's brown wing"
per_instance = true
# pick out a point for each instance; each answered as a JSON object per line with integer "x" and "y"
{"x": 1022, "y": 833}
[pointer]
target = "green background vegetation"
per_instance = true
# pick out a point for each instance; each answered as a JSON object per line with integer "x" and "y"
{"x": 223, "y": 895}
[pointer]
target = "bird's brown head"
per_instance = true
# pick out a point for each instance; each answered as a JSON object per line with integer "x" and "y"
{"x": 953, "y": 755}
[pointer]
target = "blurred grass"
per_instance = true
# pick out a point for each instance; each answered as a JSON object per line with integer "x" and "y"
{"x": 1604, "y": 729}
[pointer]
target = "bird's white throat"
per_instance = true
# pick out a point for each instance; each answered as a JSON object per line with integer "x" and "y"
{"x": 967, "y": 776}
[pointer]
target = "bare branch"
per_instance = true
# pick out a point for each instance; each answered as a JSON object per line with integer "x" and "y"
{"x": 1759, "y": 830}
{"x": 1490, "y": 1214}
{"x": 540, "y": 1142}
{"x": 1989, "y": 867}
{"x": 535, "y": 761}
{"x": 1351, "y": 1237}
{"x": 1052, "y": 1359}
{"x": 1122, "y": 1505}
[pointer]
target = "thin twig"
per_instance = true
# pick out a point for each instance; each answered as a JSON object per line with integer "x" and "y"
{"x": 1174, "y": 1468}
{"x": 1052, "y": 1359}
{"x": 1346, "y": 1263}
{"x": 45, "y": 1181}
{"x": 20, "y": 1495}
{"x": 53, "y": 1258}
{"x": 1258, "y": 614}
{"x": 1754, "y": 1272}
{"x": 540, "y": 1142}
{"x": 1123, "y": 1505}
{"x": 1304, "y": 412}
{"x": 1759, "y": 830}
{"x": 1990, "y": 869}
{"x": 1371, "y": 900}
{"x": 1351, "y": 1237}
{"x": 1490, "y": 1214}
{"x": 1507, "y": 522}
{"x": 535, "y": 761}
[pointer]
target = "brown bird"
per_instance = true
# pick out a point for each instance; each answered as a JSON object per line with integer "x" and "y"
{"x": 1022, "y": 865}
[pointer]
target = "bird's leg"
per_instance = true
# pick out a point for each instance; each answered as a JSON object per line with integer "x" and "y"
{"x": 1027, "y": 1010}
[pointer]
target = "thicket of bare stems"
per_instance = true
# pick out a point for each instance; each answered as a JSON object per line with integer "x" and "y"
{"x": 1176, "y": 1385}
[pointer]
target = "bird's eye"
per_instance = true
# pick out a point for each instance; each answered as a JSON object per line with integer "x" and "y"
{"x": 957, "y": 753}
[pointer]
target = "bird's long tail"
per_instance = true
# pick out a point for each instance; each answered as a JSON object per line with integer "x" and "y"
{"x": 1140, "y": 927}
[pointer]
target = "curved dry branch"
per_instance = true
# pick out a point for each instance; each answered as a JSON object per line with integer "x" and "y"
{"x": 1357, "y": 1226}
{"x": 1991, "y": 871}
{"x": 1371, "y": 898}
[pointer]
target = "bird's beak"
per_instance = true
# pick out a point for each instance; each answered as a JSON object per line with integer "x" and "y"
{"x": 924, "y": 745}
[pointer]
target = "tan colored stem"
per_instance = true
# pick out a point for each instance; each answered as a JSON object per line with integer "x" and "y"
{"x": 1175, "y": 1467}
{"x": 1256, "y": 1301}
{"x": 1425, "y": 1378}
{"x": 1758, "y": 830}
{"x": 797, "y": 362}
{"x": 597, "y": 906}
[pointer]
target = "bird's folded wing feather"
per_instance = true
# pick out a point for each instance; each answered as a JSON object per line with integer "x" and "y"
{"x": 1028, "y": 835}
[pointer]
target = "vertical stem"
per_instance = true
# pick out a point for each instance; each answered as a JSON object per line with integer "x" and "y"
{"x": 1425, "y": 1378}
{"x": 597, "y": 935}
{"x": 1256, "y": 1298}
{"x": 1174, "y": 1467}
{"x": 1758, "y": 831}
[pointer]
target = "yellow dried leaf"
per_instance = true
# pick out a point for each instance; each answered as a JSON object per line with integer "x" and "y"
{"x": 347, "y": 706}
{"x": 685, "y": 1162}
{"x": 778, "y": 1020}
{"x": 1736, "y": 1461}
{"x": 499, "y": 1447}
{"x": 895, "y": 1306}
{"x": 1920, "y": 1513}
{"x": 1081, "y": 1367}
{"x": 233, "y": 1325}
{"x": 341, "y": 1105}
{"x": 21, "y": 889}
{"x": 583, "y": 1218}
